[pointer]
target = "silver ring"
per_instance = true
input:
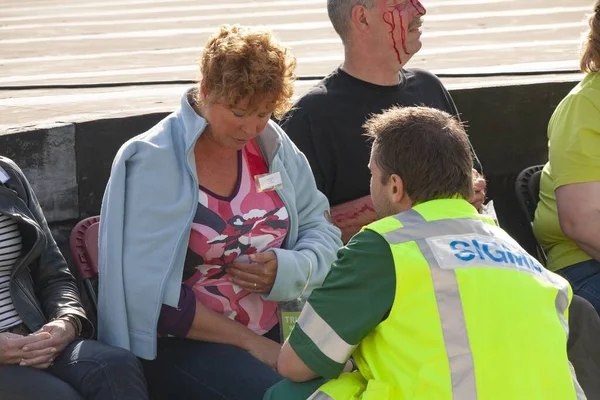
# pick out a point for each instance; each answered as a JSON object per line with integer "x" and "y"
{"x": 254, "y": 285}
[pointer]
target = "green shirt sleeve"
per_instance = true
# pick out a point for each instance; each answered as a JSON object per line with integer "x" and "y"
{"x": 574, "y": 134}
{"x": 356, "y": 296}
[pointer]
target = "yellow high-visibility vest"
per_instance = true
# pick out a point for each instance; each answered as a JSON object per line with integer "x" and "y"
{"x": 474, "y": 317}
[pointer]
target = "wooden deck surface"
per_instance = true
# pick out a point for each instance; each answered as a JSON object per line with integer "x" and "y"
{"x": 133, "y": 42}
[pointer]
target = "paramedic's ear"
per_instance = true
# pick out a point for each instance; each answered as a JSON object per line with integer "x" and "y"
{"x": 396, "y": 188}
{"x": 397, "y": 193}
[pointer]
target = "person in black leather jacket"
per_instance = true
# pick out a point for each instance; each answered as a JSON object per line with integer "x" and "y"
{"x": 41, "y": 315}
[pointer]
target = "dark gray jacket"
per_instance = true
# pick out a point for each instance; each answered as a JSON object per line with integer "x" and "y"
{"x": 41, "y": 286}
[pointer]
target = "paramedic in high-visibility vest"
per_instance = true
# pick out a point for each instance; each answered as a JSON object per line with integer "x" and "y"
{"x": 432, "y": 301}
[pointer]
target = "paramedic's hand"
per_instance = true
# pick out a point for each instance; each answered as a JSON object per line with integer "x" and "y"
{"x": 11, "y": 347}
{"x": 62, "y": 333}
{"x": 266, "y": 350}
{"x": 479, "y": 190}
{"x": 258, "y": 276}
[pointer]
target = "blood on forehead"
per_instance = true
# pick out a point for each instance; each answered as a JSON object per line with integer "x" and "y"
{"x": 401, "y": 5}
{"x": 388, "y": 18}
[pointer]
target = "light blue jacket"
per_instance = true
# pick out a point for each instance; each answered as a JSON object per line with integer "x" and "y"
{"x": 146, "y": 218}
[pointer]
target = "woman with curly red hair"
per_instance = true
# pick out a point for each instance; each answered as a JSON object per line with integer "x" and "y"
{"x": 209, "y": 220}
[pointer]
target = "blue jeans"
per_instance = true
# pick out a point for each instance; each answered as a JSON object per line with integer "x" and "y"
{"x": 584, "y": 278}
{"x": 85, "y": 369}
{"x": 189, "y": 369}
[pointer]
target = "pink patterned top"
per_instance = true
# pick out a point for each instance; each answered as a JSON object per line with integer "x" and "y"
{"x": 227, "y": 228}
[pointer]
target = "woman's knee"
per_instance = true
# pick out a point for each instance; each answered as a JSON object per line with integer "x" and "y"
{"x": 108, "y": 357}
{"x": 95, "y": 369}
{"x": 25, "y": 383}
{"x": 121, "y": 358}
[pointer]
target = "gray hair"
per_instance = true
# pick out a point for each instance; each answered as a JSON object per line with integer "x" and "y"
{"x": 340, "y": 12}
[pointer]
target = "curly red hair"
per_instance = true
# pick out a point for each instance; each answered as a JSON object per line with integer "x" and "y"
{"x": 239, "y": 64}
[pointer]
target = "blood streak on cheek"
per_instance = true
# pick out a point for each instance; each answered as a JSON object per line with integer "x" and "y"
{"x": 388, "y": 18}
{"x": 402, "y": 29}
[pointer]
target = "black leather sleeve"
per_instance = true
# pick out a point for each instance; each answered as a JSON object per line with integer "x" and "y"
{"x": 54, "y": 283}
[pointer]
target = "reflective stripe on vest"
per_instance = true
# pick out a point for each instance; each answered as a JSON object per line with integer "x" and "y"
{"x": 416, "y": 228}
{"x": 447, "y": 245}
{"x": 318, "y": 395}
{"x": 323, "y": 336}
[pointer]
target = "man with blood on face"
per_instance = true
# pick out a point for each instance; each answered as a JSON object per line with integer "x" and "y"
{"x": 379, "y": 38}
{"x": 408, "y": 14}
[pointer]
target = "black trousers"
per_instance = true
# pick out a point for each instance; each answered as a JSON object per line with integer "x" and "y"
{"x": 584, "y": 345}
{"x": 85, "y": 369}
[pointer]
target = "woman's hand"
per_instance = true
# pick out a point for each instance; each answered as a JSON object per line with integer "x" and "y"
{"x": 266, "y": 350}
{"x": 257, "y": 276}
{"x": 61, "y": 332}
{"x": 11, "y": 347}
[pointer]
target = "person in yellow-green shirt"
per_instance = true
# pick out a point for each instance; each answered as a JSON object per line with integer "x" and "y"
{"x": 567, "y": 219}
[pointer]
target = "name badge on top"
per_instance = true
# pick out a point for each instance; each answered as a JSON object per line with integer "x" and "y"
{"x": 268, "y": 182}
